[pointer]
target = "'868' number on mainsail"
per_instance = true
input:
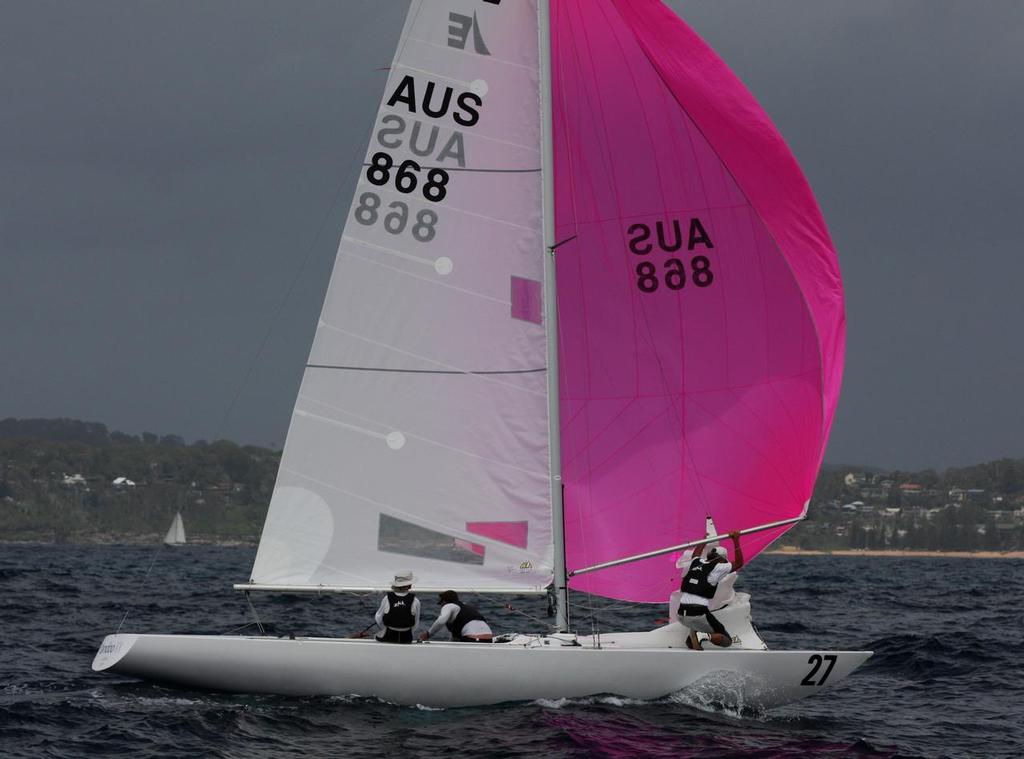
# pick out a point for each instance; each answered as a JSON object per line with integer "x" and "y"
{"x": 368, "y": 212}
{"x": 407, "y": 177}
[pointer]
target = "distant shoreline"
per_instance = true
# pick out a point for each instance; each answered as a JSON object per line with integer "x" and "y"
{"x": 790, "y": 551}
{"x": 143, "y": 540}
{"x": 128, "y": 540}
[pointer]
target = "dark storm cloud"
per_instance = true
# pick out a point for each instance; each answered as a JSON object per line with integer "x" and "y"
{"x": 906, "y": 118}
{"x": 166, "y": 170}
{"x": 168, "y": 167}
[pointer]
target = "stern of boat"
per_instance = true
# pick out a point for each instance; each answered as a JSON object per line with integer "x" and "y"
{"x": 776, "y": 678}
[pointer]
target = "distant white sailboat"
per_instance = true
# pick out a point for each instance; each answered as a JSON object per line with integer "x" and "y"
{"x": 464, "y": 415}
{"x": 176, "y": 532}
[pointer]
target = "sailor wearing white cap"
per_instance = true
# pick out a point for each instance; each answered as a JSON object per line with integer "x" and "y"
{"x": 698, "y": 589}
{"x": 399, "y": 611}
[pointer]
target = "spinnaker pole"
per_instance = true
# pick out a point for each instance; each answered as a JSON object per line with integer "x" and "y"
{"x": 682, "y": 546}
{"x": 551, "y": 317}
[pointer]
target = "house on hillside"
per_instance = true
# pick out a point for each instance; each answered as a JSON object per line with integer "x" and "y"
{"x": 74, "y": 480}
{"x": 960, "y": 495}
{"x": 123, "y": 483}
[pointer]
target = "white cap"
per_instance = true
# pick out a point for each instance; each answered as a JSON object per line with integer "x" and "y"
{"x": 718, "y": 551}
{"x": 402, "y": 579}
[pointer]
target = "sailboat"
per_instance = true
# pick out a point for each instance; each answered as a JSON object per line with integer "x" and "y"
{"x": 585, "y": 313}
{"x": 176, "y": 532}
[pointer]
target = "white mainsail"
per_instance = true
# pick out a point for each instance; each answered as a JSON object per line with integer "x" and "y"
{"x": 420, "y": 435}
{"x": 176, "y": 532}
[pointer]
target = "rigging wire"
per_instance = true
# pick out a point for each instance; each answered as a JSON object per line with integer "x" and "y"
{"x": 275, "y": 319}
{"x": 259, "y": 625}
{"x": 508, "y": 606}
{"x": 142, "y": 584}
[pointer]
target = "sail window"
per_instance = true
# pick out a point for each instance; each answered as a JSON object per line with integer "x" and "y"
{"x": 398, "y": 536}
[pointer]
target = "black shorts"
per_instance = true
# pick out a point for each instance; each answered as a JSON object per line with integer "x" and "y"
{"x": 395, "y": 636}
{"x": 696, "y": 610}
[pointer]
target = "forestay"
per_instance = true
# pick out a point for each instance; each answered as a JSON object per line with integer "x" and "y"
{"x": 701, "y": 320}
{"x": 419, "y": 438}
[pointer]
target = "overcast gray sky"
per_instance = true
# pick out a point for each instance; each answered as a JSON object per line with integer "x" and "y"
{"x": 169, "y": 168}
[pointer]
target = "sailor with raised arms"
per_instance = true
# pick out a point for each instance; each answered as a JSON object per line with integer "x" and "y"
{"x": 706, "y": 571}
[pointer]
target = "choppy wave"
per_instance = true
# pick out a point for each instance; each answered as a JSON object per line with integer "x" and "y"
{"x": 944, "y": 681}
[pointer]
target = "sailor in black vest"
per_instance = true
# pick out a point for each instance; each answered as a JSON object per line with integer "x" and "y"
{"x": 698, "y": 589}
{"x": 399, "y": 612}
{"x": 463, "y": 621}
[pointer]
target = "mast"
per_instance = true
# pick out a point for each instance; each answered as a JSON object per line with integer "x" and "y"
{"x": 551, "y": 318}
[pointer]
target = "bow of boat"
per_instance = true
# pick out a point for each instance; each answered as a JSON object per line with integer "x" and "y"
{"x": 111, "y": 651}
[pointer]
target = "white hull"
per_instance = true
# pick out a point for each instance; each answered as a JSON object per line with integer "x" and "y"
{"x": 470, "y": 674}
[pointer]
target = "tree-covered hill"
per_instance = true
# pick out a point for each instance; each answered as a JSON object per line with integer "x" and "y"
{"x": 978, "y": 507}
{"x": 57, "y": 481}
{"x": 68, "y": 480}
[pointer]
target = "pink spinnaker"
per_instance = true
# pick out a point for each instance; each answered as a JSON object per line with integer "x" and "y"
{"x": 701, "y": 319}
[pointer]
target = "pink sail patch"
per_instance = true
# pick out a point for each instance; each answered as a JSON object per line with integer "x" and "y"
{"x": 511, "y": 533}
{"x": 526, "y": 300}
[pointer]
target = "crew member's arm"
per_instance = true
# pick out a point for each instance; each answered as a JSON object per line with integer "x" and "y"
{"x": 737, "y": 563}
{"x": 448, "y": 613}
{"x": 415, "y": 613}
{"x": 383, "y": 609}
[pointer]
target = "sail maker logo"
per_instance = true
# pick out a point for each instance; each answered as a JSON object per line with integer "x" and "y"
{"x": 458, "y": 33}
{"x": 459, "y": 28}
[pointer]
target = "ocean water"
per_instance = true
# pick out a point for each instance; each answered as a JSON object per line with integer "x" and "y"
{"x": 946, "y": 680}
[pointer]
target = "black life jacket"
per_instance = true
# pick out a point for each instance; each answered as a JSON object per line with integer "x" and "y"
{"x": 399, "y": 616}
{"x": 466, "y": 614}
{"x": 696, "y": 579}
